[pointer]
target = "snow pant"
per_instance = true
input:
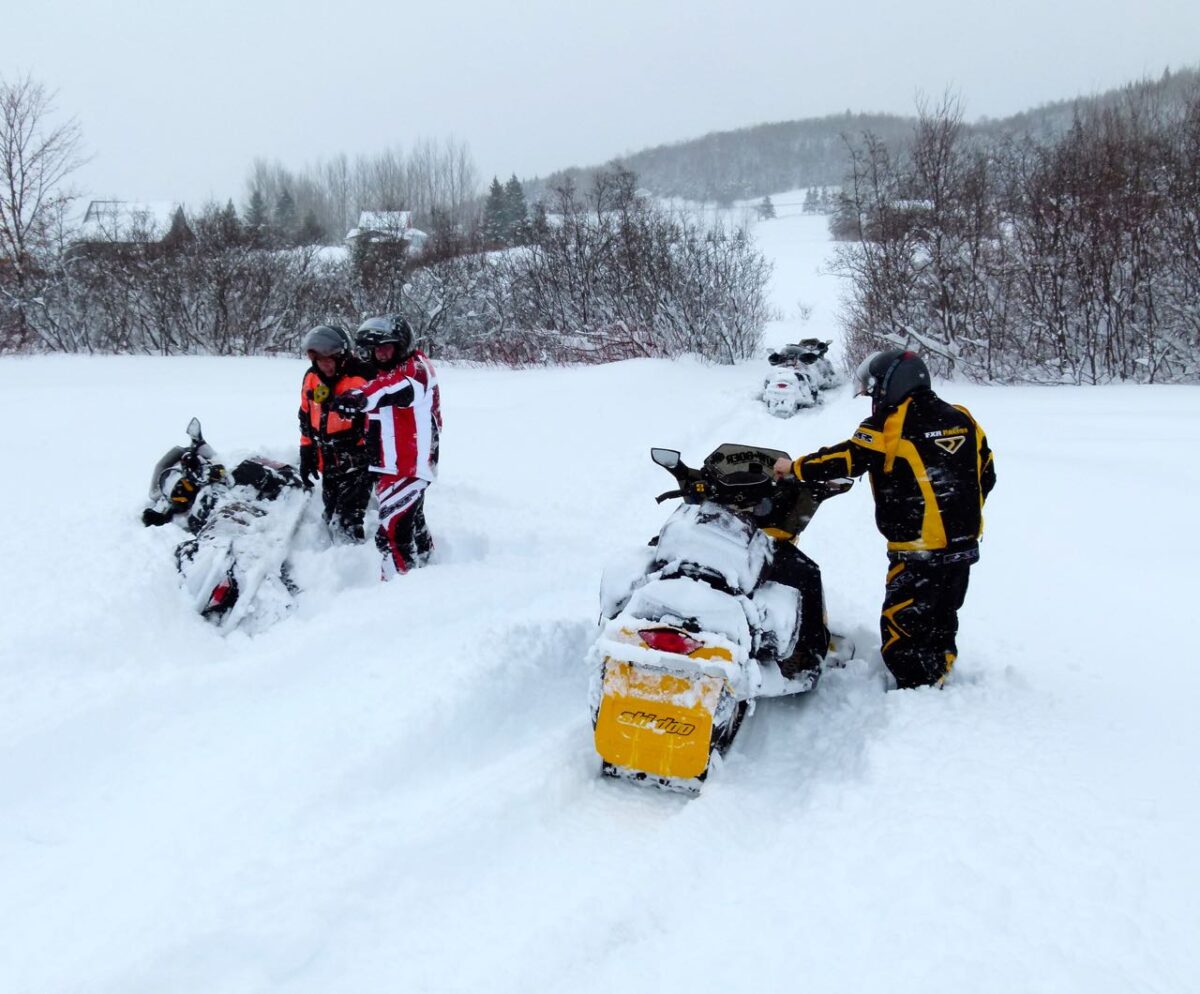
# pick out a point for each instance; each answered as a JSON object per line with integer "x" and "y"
{"x": 919, "y": 621}
{"x": 403, "y": 538}
{"x": 793, "y": 568}
{"x": 345, "y": 492}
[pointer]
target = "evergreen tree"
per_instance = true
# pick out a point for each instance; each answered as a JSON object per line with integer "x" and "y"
{"x": 516, "y": 212}
{"x": 494, "y": 221}
{"x": 257, "y": 222}
{"x": 310, "y": 231}
{"x": 229, "y": 228}
{"x": 285, "y": 216}
{"x": 810, "y": 200}
{"x": 179, "y": 234}
{"x": 766, "y": 209}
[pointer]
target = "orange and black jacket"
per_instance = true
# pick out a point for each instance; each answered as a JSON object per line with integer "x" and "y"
{"x": 332, "y": 433}
{"x": 930, "y": 469}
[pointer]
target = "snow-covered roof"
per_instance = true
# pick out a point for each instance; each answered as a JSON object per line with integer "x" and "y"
{"x": 389, "y": 224}
{"x": 128, "y": 220}
{"x": 386, "y": 222}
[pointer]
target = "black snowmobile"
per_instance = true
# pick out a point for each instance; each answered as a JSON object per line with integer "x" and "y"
{"x": 234, "y": 565}
{"x": 802, "y": 372}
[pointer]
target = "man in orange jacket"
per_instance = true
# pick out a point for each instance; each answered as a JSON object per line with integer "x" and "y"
{"x": 332, "y": 443}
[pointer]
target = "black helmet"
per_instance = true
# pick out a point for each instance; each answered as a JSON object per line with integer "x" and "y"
{"x": 388, "y": 329}
{"x": 888, "y": 377}
{"x": 326, "y": 340}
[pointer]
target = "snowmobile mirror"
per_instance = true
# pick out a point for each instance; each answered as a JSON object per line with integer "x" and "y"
{"x": 193, "y": 430}
{"x": 666, "y": 458}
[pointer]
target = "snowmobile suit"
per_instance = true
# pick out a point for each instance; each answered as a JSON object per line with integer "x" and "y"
{"x": 403, "y": 537}
{"x": 931, "y": 470}
{"x": 334, "y": 444}
{"x": 404, "y": 412}
{"x": 919, "y": 620}
{"x": 403, "y": 407}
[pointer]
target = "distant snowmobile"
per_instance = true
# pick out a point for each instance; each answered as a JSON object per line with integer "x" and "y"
{"x": 235, "y": 565}
{"x": 691, "y": 632}
{"x": 802, "y": 373}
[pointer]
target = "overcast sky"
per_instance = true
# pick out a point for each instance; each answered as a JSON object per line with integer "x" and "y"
{"x": 176, "y": 98}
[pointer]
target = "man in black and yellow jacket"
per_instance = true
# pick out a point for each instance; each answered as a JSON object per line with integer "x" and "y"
{"x": 931, "y": 470}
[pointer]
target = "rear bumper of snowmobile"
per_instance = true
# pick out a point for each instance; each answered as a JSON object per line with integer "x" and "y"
{"x": 660, "y": 715}
{"x": 656, "y": 723}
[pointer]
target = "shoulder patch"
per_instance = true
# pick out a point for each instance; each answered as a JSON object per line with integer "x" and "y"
{"x": 864, "y": 436}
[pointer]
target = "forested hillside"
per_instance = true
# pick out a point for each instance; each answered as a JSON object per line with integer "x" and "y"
{"x": 770, "y": 158}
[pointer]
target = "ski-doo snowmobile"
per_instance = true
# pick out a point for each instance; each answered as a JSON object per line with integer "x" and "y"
{"x": 802, "y": 372}
{"x": 234, "y": 565}
{"x": 692, "y": 630}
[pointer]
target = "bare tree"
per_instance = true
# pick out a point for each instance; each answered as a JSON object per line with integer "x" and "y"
{"x": 36, "y": 156}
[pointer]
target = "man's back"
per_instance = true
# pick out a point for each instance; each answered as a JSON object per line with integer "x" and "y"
{"x": 930, "y": 468}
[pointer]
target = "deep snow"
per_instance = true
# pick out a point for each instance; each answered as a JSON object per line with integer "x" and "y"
{"x": 395, "y": 790}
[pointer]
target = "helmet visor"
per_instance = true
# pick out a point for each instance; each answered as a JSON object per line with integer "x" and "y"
{"x": 863, "y": 377}
{"x": 378, "y": 326}
{"x": 324, "y": 352}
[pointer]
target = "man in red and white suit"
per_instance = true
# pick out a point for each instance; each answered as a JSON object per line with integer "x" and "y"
{"x": 404, "y": 426}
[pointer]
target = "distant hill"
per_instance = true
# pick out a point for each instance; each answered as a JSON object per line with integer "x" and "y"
{"x": 770, "y": 158}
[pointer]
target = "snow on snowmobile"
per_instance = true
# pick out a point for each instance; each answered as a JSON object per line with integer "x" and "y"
{"x": 692, "y": 632}
{"x": 802, "y": 372}
{"x": 235, "y": 564}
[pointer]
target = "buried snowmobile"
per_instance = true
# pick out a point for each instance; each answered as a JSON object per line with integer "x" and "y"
{"x": 234, "y": 565}
{"x": 692, "y": 630}
{"x": 801, "y": 372}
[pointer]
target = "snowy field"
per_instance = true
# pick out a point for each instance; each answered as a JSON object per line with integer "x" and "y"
{"x": 394, "y": 790}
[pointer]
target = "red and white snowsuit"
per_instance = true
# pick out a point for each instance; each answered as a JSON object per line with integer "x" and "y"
{"x": 404, "y": 415}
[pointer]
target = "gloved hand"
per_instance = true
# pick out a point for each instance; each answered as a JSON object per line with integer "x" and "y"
{"x": 308, "y": 466}
{"x": 152, "y": 518}
{"x": 349, "y": 403}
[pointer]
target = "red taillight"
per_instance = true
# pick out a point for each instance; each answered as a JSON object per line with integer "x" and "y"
{"x": 782, "y": 386}
{"x": 669, "y": 640}
{"x": 219, "y": 593}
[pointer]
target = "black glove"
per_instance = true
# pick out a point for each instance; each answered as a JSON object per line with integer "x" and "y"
{"x": 308, "y": 465}
{"x": 349, "y": 403}
{"x": 152, "y": 518}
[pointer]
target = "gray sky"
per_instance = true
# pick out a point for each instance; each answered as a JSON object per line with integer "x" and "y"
{"x": 176, "y": 98}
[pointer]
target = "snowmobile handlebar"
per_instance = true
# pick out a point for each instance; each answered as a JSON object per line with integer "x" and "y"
{"x": 746, "y": 489}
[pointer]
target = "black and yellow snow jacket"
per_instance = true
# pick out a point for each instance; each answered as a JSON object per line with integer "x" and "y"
{"x": 930, "y": 469}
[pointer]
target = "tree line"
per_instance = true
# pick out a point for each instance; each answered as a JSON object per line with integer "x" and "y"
{"x": 1069, "y": 258}
{"x": 321, "y": 203}
{"x": 588, "y": 276}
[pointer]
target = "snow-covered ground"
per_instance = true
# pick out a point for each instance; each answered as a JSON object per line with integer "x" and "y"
{"x": 395, "y": 788}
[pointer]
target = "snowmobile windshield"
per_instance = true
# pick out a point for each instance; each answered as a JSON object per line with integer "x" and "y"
{"x": 734, "y": 458}
{"x": 804, "y": 353}
{"x": 157, "y": 477}
{"x": 741, "y": 475}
